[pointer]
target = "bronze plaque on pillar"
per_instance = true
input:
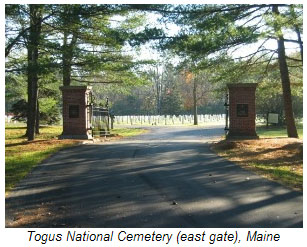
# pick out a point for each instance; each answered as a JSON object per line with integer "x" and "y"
{"x": 73, "y": 111}
{"x": 242, "y": 110}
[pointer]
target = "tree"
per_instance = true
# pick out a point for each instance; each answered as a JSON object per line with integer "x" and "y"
{"x": 34, "y": 41}
{"x": 94, "y": 41}
{"x": 284, "y": 75}
{"x": 216, "y": 30}
{"x": 157, "y": 87}
{"x": 269, "y": 94}
{"x": 25, "y": 30}
{"x": 48, "y": 97}
{"x": 196, "y": 91}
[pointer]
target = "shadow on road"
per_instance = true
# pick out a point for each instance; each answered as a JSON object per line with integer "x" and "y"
{"x": 148, "y": 184}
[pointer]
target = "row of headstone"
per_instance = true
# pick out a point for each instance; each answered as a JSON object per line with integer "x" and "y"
{"x": 167, "y": 119}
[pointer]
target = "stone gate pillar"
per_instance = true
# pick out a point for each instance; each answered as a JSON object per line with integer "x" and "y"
{"x": 77, "y": 112}
{"x": 242, "y": 110}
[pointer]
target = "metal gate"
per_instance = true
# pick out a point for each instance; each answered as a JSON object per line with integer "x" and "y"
{"x": 100, "y": 121}
{"x": 227, "y": 114}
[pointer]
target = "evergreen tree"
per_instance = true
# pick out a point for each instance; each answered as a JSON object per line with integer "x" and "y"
{"x": 218, "y": 30}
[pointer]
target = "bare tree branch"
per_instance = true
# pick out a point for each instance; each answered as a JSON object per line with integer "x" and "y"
{"x": 9, "y": 47}
{"x": 269, "y": 62}
{"x": 294, "y": 59}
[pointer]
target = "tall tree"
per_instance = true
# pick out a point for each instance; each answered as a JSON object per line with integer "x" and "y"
{"x": 285, "y": 78}
{"x": 216, "y": 30}
{"x": 33, "y": 51}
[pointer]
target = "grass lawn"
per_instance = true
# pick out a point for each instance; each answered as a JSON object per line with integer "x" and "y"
{"x": 127, "y": 132}
{"x": 273, "y": 131}
{"x": 273, "y": 156}
{"x": 21, "y": 156}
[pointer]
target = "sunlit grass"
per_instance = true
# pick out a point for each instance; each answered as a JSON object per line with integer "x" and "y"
{"x": 128, "y": 132}
{"x": 284, "y": 174}
{"x": 277, "y": 131}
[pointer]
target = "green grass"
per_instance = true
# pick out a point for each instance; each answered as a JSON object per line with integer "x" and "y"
{"x": 277, "y": 131}
{"x": 128, "y": 132}
{"x": 283, "y": 174}
{"x": 17, "y": 166}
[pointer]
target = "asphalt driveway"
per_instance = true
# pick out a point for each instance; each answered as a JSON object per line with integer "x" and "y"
{"x": 166, "y": 178}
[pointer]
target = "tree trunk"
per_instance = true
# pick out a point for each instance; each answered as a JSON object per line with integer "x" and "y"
{"x": 37, "y": 120}
{"x": 285, "y": 80}
{"x": 66, "y": 63}
{"x": 67, "y": 57}
{"x": 157, "y": 85}
{"x": 34, "y": 36}
{"x": 195, "y": 103}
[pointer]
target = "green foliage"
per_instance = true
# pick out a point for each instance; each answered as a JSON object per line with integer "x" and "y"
{"x": 49, "y": 111}
{"x": 211, "y": 34}
{"x": 128, "y": 105}
{"x": 269, "y": 96}
{"x": 48, "y": 94}
{"x": 172, "y": 103}
{"x": 167, "y": 92}
{"x": 19, "y": 109}
{"x": 209, "y": 29}
{"x": 95, "y": 39}
{"x": 15, "y": 90}
{"x": 77, "y": 44}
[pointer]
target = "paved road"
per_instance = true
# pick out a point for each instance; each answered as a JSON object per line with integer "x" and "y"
{"x": 166, "y": 178}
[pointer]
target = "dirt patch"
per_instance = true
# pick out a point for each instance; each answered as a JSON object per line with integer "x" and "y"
{"x": 279, "y": 159}
{"x": 41, "y": 216}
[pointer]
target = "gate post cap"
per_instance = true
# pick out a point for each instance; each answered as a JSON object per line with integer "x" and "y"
{"x": 231, "y": 85}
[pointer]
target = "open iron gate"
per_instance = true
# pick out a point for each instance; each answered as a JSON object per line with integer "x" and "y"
{"x": 100, "y": 121}
{"x": 227, "y": 114}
